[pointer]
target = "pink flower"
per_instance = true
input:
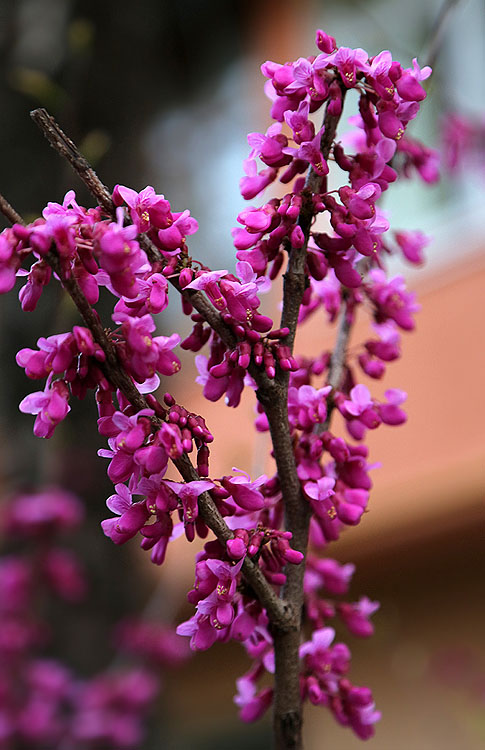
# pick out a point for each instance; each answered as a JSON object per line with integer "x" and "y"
{"x": 270, "y": 146}
{"x": 146, "y": 208}
{"x": 15, "y": 586}
{"x": 244, "y": 492}
{"x": 320, "y": 495}
{"x": 173, "y": 237}
{"x": 9, "y": 260}
{"x": 121, "y": 256}
{"x": 310, "y": 151}
{"x": 153, "y": 297}
{"x": 321, "y": 640}
{"x": 334, "y": 577}
{"x": 303, "y": 128}
{"x": 132, "y": 516}
{"x": 122, "y": 464}
{"x": 387, "y": 347}
{"x": 390, "y": 413}
{"x": 257, "y": 220}
{"x": 39, "y": 275}
{"x": 390, "y": 125}
{"x": 167, "y": 362}
{"x": 408, "y": 85}
{"x": 325, "y": 293}
{"x": 324, "y": 42}
{"x": 64, "y": 575}
{"x": 347, "y": 61}
{"x": 145, "y": 355}
{"x": 207, "y": 281}
{"x": 41, "y": 514}
{"x": 50, "y": 405}
{"x": 412, "y": 245}
{"x": 188, "y": 493}
{"x": 353, "y": 468}
{"x": 355, "y": 707}
{"x": 356, "y": 616}
{"x": 213, "y": 387}
{"x": 327, "y": 663}
{"x": 131, "y": 432}
{"x": 56, "y": 209}
{"x": 392, "y": 300}
{"x": 157, "y": 535}
{"x": 215, "y": 610}
{"x": 255, "y": 182}
{"x": 361, "y": 406}
{"x": 380, "y": 64}
{"x": 307, "y": 406}
{"x": 252, "y": 704}
{"x": 56, "y": 353}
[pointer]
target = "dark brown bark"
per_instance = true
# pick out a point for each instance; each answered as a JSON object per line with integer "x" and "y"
{"x": 287, "y": 712}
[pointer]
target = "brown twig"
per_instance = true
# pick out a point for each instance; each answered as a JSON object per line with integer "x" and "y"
{"x": 287, "y": 716}
{"x": 337, "y": 361}
{"x": 66, "y": 148}
{"x": 278, "y": 610}
{"x": 9, "y": 212}
{"x": 437, "y": 31}
{"x": 61, "y": 143}
{"x": 285, "y": 616}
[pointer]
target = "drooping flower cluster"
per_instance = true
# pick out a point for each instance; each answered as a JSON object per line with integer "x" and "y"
{"x": 139, "y": 250}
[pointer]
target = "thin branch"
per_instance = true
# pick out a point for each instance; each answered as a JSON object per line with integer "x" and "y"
{"x": 296, "y": 508}
{"x": 294, "y": 278}
{"x": 337, "y": 361}
{"x": 272, "y": 394}
{"x": 279, "y": 612}
{"x": 66, "y": 148}
{"x": 287, "y": 716}
{"x": 61, "y": 143}
{"x": 9, "y": 212}
{"x": 277, "y": 609}
{"x": 437, "y": 31}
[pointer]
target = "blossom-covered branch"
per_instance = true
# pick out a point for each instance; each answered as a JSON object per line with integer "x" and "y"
{"x": 112, "y": 368}
{"x": 259, "y": 581}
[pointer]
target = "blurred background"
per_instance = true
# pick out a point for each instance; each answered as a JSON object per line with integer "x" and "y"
{"x": 164, "y": 94}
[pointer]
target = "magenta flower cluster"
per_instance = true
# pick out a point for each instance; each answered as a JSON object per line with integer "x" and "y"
{"x": 43, "y": 703}
{"x": 140, "y": 254}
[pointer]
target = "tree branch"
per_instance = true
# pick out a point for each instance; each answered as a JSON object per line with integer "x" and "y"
{"x": 437, "y": 31}
{"x": 66, "y": 148}
{"x": 287, "y": 717}
{"x": 279, "y": 611}
{"x": 272, "y": 394}
{"x": 9, "y": 212}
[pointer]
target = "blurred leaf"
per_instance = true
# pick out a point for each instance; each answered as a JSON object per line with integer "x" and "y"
{"x": 39, "y": 86}
{"x": 80, "y": 35}
{"x": 95, "y": 144}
